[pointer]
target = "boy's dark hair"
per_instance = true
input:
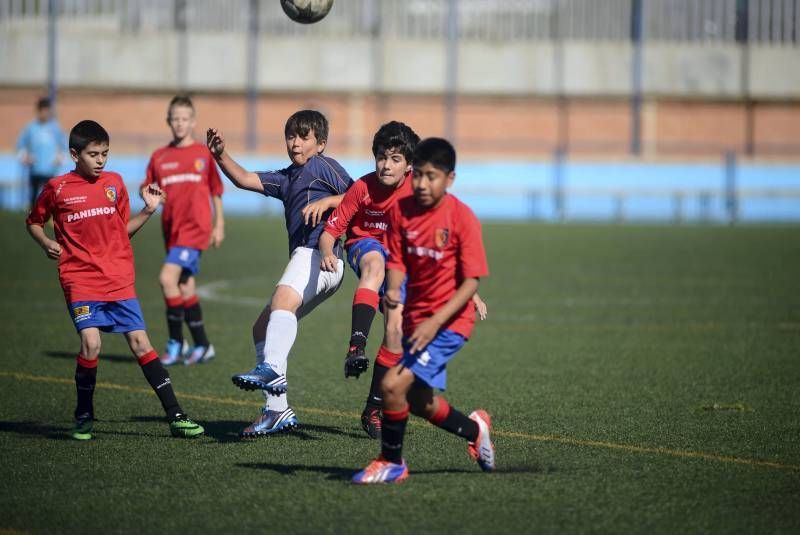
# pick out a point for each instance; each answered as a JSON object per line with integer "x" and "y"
{"x": 395, "y": 135}
{"x": 86, "y": 132}
{"x": 436, "y": 151}
{"x": 302, "y": 122}
{"x": 42, "y": 103}
{"x": 180, "y": 100}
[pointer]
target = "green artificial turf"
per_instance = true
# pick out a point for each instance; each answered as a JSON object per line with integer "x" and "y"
{"x": 640, "y": 378}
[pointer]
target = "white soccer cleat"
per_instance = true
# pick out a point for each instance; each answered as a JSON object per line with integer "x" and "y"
{"x": 200, "y": 355}
{"x": 482, "y": 450}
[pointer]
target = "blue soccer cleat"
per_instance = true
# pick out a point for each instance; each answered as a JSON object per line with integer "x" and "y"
{"x": 381, "y": 471}
{"x": 262, "y": 377}
{"x": 271, "y": 422}
{"x": 174, "y": 352}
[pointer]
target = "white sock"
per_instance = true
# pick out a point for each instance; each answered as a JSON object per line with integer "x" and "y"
{"x": 281, "y": 333}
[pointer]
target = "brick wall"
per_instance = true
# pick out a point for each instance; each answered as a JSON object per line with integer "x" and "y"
{"x": 507, "y": 127}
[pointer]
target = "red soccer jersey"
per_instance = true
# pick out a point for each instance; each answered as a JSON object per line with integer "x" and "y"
{"x": 91, "y": 225}
{"x": 438, "y": 248}
{"x": 189, "y": 177}
{"x": 364, "y": 210}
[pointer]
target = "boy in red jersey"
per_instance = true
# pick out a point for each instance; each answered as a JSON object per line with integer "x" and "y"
{"x": 435, "y": 241}
{"x": 186, "y": 172}
{"x": 93, "y": 227}
{"x": 363, "y": 215}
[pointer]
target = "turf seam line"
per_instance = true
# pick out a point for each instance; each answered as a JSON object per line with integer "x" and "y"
{"x": 688, "y": 454}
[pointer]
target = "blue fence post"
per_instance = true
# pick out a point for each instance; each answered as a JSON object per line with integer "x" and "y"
{"x": 731, "y": 195}
{"x": 637, "y": 16}
{"x": 558, "y": 184}
{"x": 52, "y": 44}
{"x": 251, "y": 119}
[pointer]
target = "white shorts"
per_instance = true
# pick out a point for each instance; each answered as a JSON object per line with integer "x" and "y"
{"x": 304, "y": 276}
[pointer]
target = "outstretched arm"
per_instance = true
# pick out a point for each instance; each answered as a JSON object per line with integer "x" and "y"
{"x": 152, "y": 197}
{"x": 238, "y": 175}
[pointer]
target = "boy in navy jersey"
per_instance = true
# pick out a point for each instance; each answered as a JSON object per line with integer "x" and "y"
{"x": 435, "y": 241}
{"x": 93, "y": 227}
{"x": 309, "y": 188}
{"x": 186, "y": 172}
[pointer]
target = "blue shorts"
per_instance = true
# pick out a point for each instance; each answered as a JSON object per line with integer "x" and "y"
{"x": 357, "y": 250}
{"x": 186, "y": 257}
{"x": 108, "y": 316}
{"x": 430, "y": 364}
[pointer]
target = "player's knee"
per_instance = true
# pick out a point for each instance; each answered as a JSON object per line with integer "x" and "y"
{"x": 90, "y": 347}
{"x": 373, "y": 271}
{"x": 392, "y": 388}
{"x": 167, "y": 282}
{"x": 139, "y": 343}
{"x": 285, "y": 298}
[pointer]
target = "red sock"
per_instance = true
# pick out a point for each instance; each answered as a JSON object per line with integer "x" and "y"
{"x": 174, "y": 302}
{"x": 86, "y": 363}
{"x": 147, "y": 357}
{"x": 442, "y": 412}
{"x": 387, "y": 358}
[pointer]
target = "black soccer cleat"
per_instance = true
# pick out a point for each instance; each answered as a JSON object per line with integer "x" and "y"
{"x": 371, "y": 421}
{"x": 355, "y": 363}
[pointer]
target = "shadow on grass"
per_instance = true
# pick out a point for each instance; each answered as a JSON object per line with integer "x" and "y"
{"x": 103, "y": 356}
{"x": 228, "y": 430}
{"x": 35, "y": 428}
{"x": 336, "y": 473}
{"x": 53, "y": 432}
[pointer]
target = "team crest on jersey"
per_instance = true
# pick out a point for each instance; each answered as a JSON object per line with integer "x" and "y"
{"x": 81, "y": 313}
{"x": 199, "y": 164}
{"x": 111, "y": 193}
{"x": 441, "y": 236}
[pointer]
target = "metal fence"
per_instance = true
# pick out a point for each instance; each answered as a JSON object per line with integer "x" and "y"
{"x": 757, "y": 21}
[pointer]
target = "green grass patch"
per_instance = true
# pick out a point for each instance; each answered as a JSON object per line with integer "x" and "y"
{"x": 640, "y": 378}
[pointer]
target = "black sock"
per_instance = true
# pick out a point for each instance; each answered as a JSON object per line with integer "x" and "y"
{"x": 393, "y": 429}
{"x": 85, "y": 379}
{"x": 362, "y": 321}
{"x": 175, "y": 322}
{"x": 460, "y": 424}
{"x": 159, "y": 380}
{"x": 365, "y": 304}
{"x": 194, "y": 319}
{"x": 375, "y": 396}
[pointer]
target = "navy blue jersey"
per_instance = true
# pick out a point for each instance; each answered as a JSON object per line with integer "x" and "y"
{"x": 298, "y": 186}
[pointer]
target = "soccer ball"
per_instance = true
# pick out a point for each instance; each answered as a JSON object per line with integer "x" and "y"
{"x": 306, "y": 11}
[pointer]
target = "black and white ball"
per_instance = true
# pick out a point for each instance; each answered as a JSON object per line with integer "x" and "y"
{"x": 306, "y": 11}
